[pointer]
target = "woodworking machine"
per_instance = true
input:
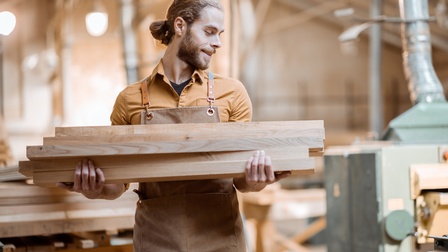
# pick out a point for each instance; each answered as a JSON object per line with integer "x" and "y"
{"x": 380, "y": 198}
{"x": 391, "y": 195}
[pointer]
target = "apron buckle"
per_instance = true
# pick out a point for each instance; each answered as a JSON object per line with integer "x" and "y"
{"x": 210, "y": 111}
{"x": 149, "y": 116}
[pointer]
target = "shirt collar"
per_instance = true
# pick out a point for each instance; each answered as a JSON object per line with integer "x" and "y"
{"x": 198, "y": 76}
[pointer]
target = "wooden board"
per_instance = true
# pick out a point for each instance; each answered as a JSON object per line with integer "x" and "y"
{"x": 428, "y": 177}
{"x": 11, "y": 173}
{"x": 14, "y": 194}
{"x": 27, "y": 210}
{"x": 186, "y": 146}
{"x": 195, "y": 134}
{"x": 37, "y": 226}
{"x": 170, "y": 152}
{"x": 175, "y": 171}
{"x": 209, "y": 129}
{"x": 144, "y": 161}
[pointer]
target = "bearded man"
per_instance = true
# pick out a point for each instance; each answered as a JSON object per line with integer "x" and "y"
{"x": 195, "y": 215}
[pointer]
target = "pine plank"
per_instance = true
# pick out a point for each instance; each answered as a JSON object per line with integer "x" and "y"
{"x": 10, "y": 173}
{"x": 181, "y": 136}
{"x": 186, "y": 146}
{"x": 37, "y": 226}
{"x": 210, "y": 147}
{"x": 79, "y": 205}
{"x": 428, "y": 177}
{"x": 175, "y": 171}
{"x": 27, "y": 167}
{"x": 207, "y": 128}
{"x": 159, "y": 159}
{"x": 28, "y": 194}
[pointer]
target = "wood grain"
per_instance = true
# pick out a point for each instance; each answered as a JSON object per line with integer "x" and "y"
{"x": 188, "y": 146}
{"x": 174, "y": 171}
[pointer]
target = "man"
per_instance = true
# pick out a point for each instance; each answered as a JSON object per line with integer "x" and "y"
{"x": 197, "y": 215}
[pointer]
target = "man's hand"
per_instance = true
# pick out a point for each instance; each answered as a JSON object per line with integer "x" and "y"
{"x": 88, "y": 180}
{"x": 259, "y": 174}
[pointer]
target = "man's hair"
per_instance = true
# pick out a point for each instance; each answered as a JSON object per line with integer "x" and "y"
{"x": 189, "y": 10}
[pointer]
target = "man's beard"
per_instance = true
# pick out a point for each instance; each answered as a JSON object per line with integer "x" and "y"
{"x": 189, "y": 53}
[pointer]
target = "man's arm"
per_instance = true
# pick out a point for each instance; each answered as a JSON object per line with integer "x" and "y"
{"x": 258, "y": 174}
{"x": 89, "y": 181}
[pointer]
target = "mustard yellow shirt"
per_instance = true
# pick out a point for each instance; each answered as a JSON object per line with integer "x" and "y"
{"x": 232, "y": 100}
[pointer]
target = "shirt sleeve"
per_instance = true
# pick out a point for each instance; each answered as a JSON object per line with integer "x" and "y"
{"x": 118, "y": 117}
{"x": 119, "y": 112}
{"x": 241, "y": 110}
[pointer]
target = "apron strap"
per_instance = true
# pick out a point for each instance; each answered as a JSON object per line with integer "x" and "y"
{"x": 145, "y": 98}
{"x": 210, "y": 96}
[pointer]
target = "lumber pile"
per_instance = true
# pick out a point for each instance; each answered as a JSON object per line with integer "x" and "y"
{"x": 168, "y": 152}
{"x": 5, "y": 152}
{"x": 11, "y": 173}
{"x": 28, "y": 210}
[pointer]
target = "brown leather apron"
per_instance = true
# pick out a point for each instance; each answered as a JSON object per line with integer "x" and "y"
{"x": 195, "y": 215}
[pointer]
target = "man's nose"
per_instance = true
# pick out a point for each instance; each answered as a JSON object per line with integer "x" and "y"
{"x": 216, "y": 42}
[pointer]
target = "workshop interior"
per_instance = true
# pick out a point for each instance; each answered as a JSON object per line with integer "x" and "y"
{"x": 374, "y": 72}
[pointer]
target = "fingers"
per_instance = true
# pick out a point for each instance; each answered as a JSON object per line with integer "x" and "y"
{"x": 269, "y": 171}
{"x": 282, "y": 175}
{"x": 87, "y": 177}
{"x": 100, "y": 178}
{"x": 259, "y": 168}
{"x": 249, "y": 169}
{"x": 68, "y": 186}
{"x": 85, "y": 171}
{"x": 77, "y": 182}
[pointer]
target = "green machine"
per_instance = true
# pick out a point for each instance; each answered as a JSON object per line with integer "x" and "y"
{"x": 369, "y": 201}
{"x": 392, "y": 195}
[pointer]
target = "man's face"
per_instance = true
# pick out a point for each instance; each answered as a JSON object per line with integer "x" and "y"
{"x": 202, "y": 39}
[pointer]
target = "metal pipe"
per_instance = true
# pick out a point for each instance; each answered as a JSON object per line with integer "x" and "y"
{"x": 423, "y": 84}
{"x": 442, "y": 14}
{"x": 375, "y": 99}
{"x": 128, "y": 13}
{"x": 66, "y": 58}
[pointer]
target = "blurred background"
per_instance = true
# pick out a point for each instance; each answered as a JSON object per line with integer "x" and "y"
{"x": 63, "y": 62}
{"x": 55, "y": 72}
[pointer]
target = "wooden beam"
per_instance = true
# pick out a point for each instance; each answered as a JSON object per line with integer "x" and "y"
{"x": 187, "y": 146}
{"x": 11, "y": 173}
{"x": 170, "y": 152}
{"x": 178, "y": 135}
{"x": 81, "y": 205}
{"x": 142, "y": 172}
{"x": 304, "y": 16}
{"x": 113, "y": 219}
{"x": 261, "y": 11}
{"x": 14, "y": 194}
{"x": 428, "y": 177}
{"x": 163, "y": 159}
{"x": 210, "y": 129}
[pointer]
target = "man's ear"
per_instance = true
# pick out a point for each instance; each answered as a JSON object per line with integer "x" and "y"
{"x": 180, "y": 26}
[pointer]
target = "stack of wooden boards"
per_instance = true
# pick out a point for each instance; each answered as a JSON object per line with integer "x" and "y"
{"x": 168, "y": 152}
{"x": 10, "y": 173}
{"x": 28, "y": 210}
{"x": 5, "y": 153}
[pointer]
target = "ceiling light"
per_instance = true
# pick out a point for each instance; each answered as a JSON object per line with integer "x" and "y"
{"x": 8, "y": 22}
{"x": 97, "y": 20}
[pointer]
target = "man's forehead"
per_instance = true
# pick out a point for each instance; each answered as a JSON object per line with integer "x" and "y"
{"x": 211, "y": 16}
